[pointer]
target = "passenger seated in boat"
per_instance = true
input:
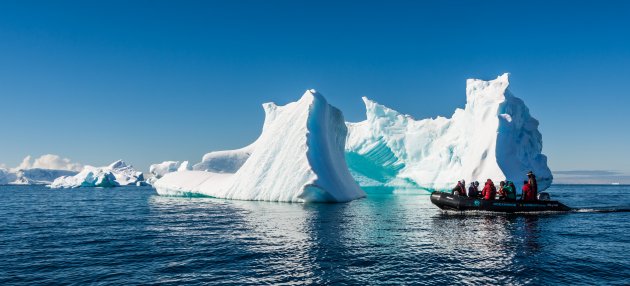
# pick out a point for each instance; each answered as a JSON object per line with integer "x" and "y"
{"x": 477, "y": 188}
{"x": 489, "y": 191}
{"x": 460, "y": 189}
{"x": 507, "y": 191}
{"x": 510, "y": 191}
{"x": 473, "y": 190}
{"x": 528, "y": 192}
{"x": 501, "y": 190}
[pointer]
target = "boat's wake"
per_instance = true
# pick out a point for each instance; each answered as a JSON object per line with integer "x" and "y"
{"x": 602, "y": 210}
{"x": 576, "y": 210}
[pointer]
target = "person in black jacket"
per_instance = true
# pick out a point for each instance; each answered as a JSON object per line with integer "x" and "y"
{"x": 473, "y": 190}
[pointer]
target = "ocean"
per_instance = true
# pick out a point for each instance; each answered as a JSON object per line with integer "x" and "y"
{"x": 130, "y": 235}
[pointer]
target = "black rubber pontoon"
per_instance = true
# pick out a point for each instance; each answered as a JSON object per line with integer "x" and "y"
{"x": 447, "y": 201}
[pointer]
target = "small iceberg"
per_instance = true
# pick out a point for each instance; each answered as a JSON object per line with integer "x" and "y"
{"x": 38, "y": 176}
{"x": 114, "y": 175}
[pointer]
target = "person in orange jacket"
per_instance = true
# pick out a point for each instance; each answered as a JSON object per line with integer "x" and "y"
{"x": 489, "y": 191}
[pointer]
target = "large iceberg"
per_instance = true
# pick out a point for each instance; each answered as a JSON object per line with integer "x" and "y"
{"x": 114, "y": 175}
{"x": 299, "y": 157}
{"x": 494, "y": 136}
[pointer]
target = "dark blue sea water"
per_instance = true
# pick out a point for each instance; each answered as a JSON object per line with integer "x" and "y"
{"x": 132, "y": 236}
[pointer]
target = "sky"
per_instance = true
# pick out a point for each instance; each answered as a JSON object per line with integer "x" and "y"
{"x": 148, "y": 81}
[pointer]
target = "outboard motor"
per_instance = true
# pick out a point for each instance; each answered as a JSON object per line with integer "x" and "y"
{"x": 544, "y": 196}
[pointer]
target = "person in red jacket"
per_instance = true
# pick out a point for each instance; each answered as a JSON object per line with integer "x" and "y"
{"x": 460, "y": 189}
{"x": 489, "y": 191}
{"x": 528, "y": 192}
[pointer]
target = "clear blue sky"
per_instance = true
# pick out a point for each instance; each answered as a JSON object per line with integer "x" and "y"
{"x": 148, "y": 81}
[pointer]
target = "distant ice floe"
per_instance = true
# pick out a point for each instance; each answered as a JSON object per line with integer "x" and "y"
{"x": 39, "y": 171}
{"x": 114, "y": 175}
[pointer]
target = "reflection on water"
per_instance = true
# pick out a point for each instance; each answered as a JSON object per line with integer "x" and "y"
{"x": 132, "y": 236}
{"x": 530, "y": 234}
{"x": 387, "y": 237}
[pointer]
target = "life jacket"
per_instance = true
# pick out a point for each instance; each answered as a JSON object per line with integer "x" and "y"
{"x": 462, "y": 189}
{"x": 501, "y": 191}
{"x": 489, "y": 191}
{"x": 528, "y": 193}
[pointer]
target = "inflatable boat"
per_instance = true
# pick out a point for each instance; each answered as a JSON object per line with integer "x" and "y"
{"x": 448, "y": 201}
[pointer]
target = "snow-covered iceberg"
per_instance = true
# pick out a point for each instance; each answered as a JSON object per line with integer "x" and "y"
{"x": 299, "y": 157}
{"x": 38, "y": 171}
{"x": 116, "y": 174}
{"x": 35, "y": 176}
{"x": 494, "y": 136}
{"x": 38, "y": 176}
{"x": 159, "y": 170}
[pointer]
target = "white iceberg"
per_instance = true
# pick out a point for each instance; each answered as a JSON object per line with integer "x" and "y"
{"x": 494, "y": 136}
{"x": 38, "y": 171}
{"x": 159, "y": 170}
{"x": 39, "y": 176}
{"x": 116, "y": 174}
{"x": 299, "y": 157}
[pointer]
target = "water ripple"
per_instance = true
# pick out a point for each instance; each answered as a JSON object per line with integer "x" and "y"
{"x": 132, "y": 236}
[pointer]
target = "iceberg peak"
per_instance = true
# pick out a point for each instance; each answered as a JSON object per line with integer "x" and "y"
{"x": 118, "y": 164}
{"x": 375, "y": 109}
{"x": 312, "y": 95}
{"x": 492, "y": 91}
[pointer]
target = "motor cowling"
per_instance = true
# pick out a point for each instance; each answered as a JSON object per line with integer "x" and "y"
{"x": 544, "y": 196}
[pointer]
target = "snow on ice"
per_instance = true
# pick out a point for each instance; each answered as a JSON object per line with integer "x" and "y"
{"x": 299, "y": 157}
{"x": 114, "y": 175}
{"x": 494, "y": 136}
